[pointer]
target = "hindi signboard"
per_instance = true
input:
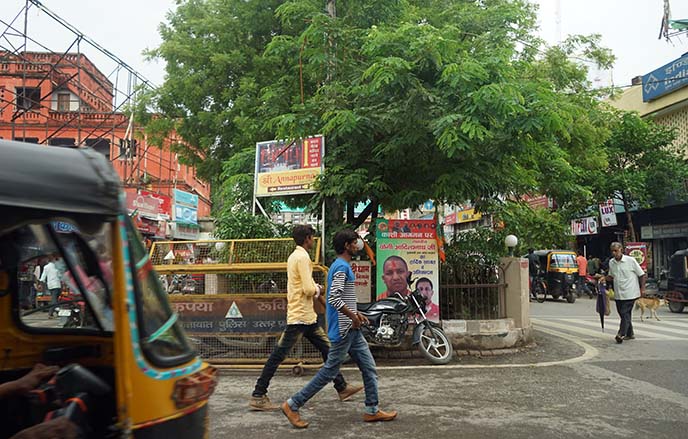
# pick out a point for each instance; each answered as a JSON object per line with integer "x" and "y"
{"x": 408, "y": 248}
{"x": 288, "y": 168}
{"x": 666, "y": 79}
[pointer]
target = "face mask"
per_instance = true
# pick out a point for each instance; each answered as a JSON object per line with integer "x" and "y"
{"x": 359, "y": 244}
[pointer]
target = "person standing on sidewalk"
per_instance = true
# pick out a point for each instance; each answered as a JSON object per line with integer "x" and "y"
{"x": 301, "y": 321}
{"x": 629, "y": 285}
{"x": 343, "y": 329}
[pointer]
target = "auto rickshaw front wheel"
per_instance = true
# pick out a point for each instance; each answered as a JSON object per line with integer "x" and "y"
{"x": 675, "y": 301}
{"x": 571, "y": 297}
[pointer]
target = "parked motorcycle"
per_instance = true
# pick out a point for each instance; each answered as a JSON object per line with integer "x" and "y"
{"x": 389, "y": 319}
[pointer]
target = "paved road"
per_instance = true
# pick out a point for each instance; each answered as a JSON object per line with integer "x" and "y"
{"x": 576, "y": 382}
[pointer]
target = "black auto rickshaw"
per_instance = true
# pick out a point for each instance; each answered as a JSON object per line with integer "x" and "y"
{"x": 677, "y": 282}
{"x": 556, "y": 275}
{"x": 67, "y": 246}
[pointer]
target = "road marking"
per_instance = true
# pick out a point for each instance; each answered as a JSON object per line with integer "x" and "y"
{"x": 641, "y": 329}
{"x": 641, "y": 333}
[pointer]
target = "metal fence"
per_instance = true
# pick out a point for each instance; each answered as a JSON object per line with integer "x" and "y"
{"x": 472, "y": 293}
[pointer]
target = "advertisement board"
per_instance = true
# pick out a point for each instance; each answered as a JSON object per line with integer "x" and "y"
{"x": 584, "y": 226}
{"x": 638, "y": 250}
{"x": 666, "y": 79}
{"x": 288, "y": 168}
{"x": 608, "y": 213}
{"x": 363, "y": 283}
{"x": 407, "y": 250}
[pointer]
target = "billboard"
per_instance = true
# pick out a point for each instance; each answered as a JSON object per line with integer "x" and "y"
{"x": 408, "y": 249}
{"x": 666, "y": 79}
{"x": 288, "y": 167}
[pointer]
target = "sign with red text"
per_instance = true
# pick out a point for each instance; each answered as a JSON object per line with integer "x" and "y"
{"x": 288, "y": 167}
{"x": 407, "y": 250}
{"x": 363, "y": 283}
{"x": 608, "y": 213}
{"x": 149, "y": 204}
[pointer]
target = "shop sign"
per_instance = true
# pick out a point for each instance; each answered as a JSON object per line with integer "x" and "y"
{"x": 185, "y": 215}
{"x": 185, "y": 198}
{"x": 608, "y": 213}
{"x": 666, "y": 79}
{"x": 584, "y": 226}
{"x": 450, "y": 219}
{"x": 149, "y": 204}
{"x": 467, "y": 216}
{"x": 180, "y": 231}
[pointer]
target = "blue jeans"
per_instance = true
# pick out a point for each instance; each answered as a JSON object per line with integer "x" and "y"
{"x": 355, "y": 345}
{"x": 286, "y": 342}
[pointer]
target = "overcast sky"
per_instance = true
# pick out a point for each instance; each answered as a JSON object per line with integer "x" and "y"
{"x": 127, "y": 27}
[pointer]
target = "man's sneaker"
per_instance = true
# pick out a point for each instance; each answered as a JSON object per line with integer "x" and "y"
{"x": 294, "y": 417}
{"x": 349, "y": 391}
{"x": 380, "y": 416}
{"x": 619, "y": 339}
{"x": 629, "y": 337}
{"x": 262, "y": 403}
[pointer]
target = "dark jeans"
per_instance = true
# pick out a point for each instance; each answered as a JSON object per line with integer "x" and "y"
{"x": 624, "y": 308}
{"x": 54, "y": 295}
{"x": 313, "y": 333}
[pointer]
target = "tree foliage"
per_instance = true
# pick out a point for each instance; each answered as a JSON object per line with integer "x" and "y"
{"x": 643, "y": 166}
{"x": 444, "y": 100}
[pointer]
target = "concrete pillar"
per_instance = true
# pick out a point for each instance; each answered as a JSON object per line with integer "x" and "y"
{"x": 517, "y": 297}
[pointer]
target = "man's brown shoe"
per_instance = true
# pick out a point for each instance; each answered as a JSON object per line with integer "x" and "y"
{"x": 380, "y": 416}
{"x": 293, "y": 416}
{"x": 349, "y": 391}
{"x": 262, "y": 403}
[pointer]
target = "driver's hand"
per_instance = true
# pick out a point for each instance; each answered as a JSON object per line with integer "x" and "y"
{"x": 58, "y": 428}
{"x": 32, "y": 379}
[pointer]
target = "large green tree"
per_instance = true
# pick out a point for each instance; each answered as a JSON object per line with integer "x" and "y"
{"x": 452, "y": 100}
{"x": 644, "y": 166}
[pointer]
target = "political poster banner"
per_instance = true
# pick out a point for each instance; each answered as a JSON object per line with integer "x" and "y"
{"x": 288, "y": 167}
{"x": 406, "y": 259}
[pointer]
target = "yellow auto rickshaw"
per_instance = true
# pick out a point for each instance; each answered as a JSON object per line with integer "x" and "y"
{"x": 77, "y": 291}
{"x": 556, "y": 275}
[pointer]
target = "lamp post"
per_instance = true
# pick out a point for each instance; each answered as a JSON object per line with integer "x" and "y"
{"x": 511, "y": 241}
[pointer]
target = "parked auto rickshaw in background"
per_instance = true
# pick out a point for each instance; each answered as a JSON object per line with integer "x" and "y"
{"x": 677, "y": 282}
{"x": 557, "y": 275}
{"x": 126, "y": 367}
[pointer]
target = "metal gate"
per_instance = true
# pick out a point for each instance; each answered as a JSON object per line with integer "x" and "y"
{"x": 472, "y": 293}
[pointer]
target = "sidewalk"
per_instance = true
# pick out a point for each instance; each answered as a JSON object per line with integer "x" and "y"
{"x": 464, "y": 399}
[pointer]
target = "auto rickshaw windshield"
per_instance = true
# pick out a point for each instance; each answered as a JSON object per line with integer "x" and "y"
{"x": 562, "y": 260}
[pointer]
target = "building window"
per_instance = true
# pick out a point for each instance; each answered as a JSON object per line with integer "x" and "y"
{"x": 62, "y": 141}
{"x": 27, "y": 139}
{"x": 63, "y": 102}
{"x": 28, "y": 98}
{"x": 127, "y": 149}
{"x": 100, "y": 145}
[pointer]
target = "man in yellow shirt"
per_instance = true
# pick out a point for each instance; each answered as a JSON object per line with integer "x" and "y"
{"x": 301, "y": 321}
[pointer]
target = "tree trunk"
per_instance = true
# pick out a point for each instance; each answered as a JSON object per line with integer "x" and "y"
{"x": 629, "y": 219}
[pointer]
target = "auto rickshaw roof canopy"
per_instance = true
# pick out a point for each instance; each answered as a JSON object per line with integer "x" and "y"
{"x": 42, "y": 182}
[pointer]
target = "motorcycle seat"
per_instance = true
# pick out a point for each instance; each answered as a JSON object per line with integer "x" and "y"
{"x": 364, "y": 306}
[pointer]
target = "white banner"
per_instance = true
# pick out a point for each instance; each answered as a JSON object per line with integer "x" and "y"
{"x": 584, "y": 226}
{"x": 608, "y": 213}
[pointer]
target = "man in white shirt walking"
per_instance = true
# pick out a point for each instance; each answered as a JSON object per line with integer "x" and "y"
{"x": 629, "y": 285}
{"x": 51, "y": 276}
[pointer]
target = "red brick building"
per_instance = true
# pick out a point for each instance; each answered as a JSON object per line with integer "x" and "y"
{"x": 63, "y": 100}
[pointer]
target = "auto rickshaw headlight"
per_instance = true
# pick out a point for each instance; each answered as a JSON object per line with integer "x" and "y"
{"x": 195, "y": 388}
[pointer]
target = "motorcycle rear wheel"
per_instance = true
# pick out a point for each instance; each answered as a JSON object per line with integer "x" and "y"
{"x": 435, "y": 346}
{"x": 540, "y": 292}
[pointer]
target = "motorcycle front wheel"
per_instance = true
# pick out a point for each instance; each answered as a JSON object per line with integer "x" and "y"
{"x": 435, "y": 346}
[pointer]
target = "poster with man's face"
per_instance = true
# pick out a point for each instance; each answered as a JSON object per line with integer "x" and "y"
{"x": 407, "y": 259}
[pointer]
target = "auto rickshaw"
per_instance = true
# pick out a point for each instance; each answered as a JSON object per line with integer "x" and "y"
{"x": 557, "y": 275}
{"x": 127, "y": 369}
{"x": 677, "y": 282}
